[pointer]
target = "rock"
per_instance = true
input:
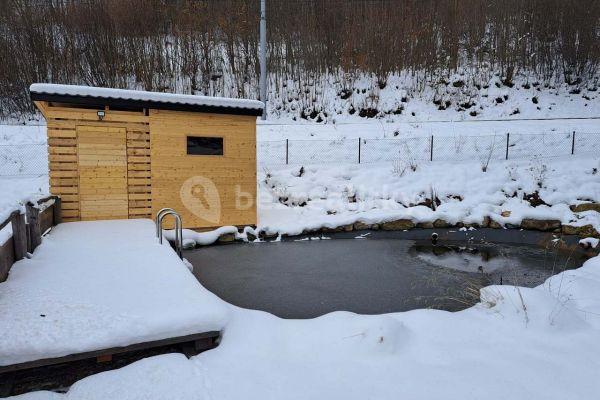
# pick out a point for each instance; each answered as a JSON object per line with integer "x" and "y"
{"x": 398, "y": 225}
{"x": 505, "y": 213}
{"x": 375, "y": 227}
{"x": 359, "y": 226}
{"x": 540, "y": 224}
{"x": 586, "y": 207}
{"x": 227, "y": 238}
{"x": 486, "y": 221}
{"x": 582, "y": 231}
{"x": 250, "y": 236}
{"x": 267, "y": 235}
{"x": 440, "y": 223}
{"x": 348, "y": 227}
{"x": 425, "y": 225}
{"x": 332, "y": 230}
{"x": 571, "y": 230}
{"x": 495, "y": 225}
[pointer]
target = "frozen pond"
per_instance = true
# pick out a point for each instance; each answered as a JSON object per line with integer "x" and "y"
{"x": 308, "y": 278}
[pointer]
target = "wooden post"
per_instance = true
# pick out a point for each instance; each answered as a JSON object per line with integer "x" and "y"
{"x": 33, "y": 222}
{"x": 57, "y": 212}
{"x": 573, "y": 144}
{"x": 19, "y": 229}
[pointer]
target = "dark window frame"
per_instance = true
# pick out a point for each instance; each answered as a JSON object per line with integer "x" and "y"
{"x": 210, "y": 151}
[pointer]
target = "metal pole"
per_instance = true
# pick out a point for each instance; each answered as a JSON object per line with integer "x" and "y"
{"x": 431, "y": 149}
{"x": 287, "y": 151}
{"x": 573, "y": 144}
{"x": 359, "y": 150}
{"x": 507, "y": 141}
{"x": 263, "y": 57}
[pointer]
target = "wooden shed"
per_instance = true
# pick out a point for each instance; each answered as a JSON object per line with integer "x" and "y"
{"x": 126, "y": 154}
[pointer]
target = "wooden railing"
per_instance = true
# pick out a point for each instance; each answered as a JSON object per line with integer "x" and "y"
{"x": 27, "y": 231}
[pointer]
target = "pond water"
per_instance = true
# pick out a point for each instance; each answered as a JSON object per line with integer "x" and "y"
{"x": 308, "y": 278}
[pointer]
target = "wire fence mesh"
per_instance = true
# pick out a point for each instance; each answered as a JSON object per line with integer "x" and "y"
{"x": 483, "y": 148}
{"x": 27, "y": 159}
{"x": 31, "y": 159}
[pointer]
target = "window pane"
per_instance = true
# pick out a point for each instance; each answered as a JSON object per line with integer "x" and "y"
{"x": 204, "y": 146}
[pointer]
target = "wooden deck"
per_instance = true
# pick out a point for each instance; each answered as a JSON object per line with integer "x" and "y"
{"x": 61, "y": 372}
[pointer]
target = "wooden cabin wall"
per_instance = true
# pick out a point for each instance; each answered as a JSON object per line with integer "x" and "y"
{"x": 172, "y": 166}
{"x": 63, "y": 158}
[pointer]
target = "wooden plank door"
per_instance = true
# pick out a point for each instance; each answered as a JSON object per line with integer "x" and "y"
{"x": 102, "y": 156}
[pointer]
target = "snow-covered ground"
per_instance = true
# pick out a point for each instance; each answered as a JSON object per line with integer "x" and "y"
{"x": 465, "y": 95}
{"x": 294, "y": 199}
{"x": 387, "y": 146}
{"x": 96, "y": 285}
{"x": 353, "y": 128}
{"x": 539, "y": 343}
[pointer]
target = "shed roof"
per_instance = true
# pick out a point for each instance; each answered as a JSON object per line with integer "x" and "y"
{"x": 137, "y": 98}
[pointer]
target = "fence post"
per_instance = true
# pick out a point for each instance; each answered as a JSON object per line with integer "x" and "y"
{"x": 573, "y": 144}
{"x": 57, "y": 212}
{"x": 431, "y": 149}
{"x": 507, "y": 142}
{"x": 287, "y": 151}
{"x": 359, "y": 140}
{"x": 33, "y": 224}
{"x": 19, "y": 229}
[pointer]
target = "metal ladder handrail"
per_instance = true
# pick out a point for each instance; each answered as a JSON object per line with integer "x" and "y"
{"x": 178, "y": 229}
{"x": 157, "y": 220}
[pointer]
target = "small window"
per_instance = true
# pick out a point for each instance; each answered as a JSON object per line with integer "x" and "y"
{"x": 204, "y": 146}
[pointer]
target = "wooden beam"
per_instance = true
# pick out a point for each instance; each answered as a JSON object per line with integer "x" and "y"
{"x": 57, "y": 215}
{"x": 104, "y": 353}
{"x": 43, "y": 107}
{"x": 33, "y": 222}
{"x": 19, "y": 235}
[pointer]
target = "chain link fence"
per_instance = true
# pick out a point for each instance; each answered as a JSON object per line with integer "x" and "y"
{"x": 31, "y": 159}
{"x": 26, "y": 159}
{"x": 483, "y": 148}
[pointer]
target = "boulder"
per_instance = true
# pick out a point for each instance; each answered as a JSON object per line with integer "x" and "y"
{"x": 425, "y": 225}
{"x": 348, "y": 227}
{"x": 227, "y": 238}
{"x": 332, "y": 230}
{"x": 360, "y": 226}
{"x": 582, "y": 231}
{"x": 586, "y": 207}
{"x": 544, "y": 225}
{"x": 493, "y": 224}
{"x": 267, "y": 235}
{"x": 486, "y": 222}
{"x": 398, "y": 225}
{"x": 440, "y": 223}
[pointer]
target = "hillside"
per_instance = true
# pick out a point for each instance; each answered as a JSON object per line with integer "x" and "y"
{"x": 326, "y": 58}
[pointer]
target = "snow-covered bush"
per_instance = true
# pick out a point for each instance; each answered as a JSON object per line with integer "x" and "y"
{"x": 485, "y": 153}
{"x": 538, "y": 170}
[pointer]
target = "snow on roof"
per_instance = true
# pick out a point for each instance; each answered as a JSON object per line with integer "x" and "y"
{"x": 143, "y": 96}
